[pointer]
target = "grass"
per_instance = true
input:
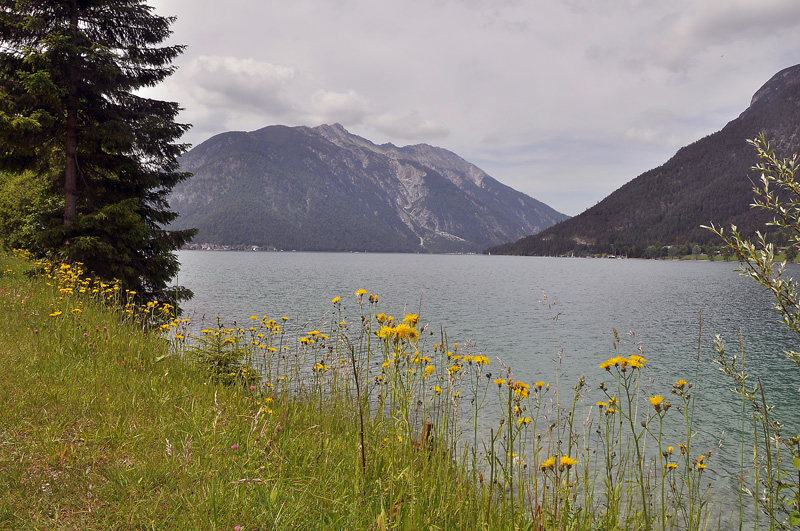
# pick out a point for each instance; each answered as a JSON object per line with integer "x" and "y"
{"x": 102, "y": 429}
{"x": 115, "y": 417}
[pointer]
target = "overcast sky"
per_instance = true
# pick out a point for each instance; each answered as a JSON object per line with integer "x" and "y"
{"x": 564, "y": 100}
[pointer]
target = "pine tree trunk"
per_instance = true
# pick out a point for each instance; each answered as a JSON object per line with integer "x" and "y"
{"x": 71, "y": 167}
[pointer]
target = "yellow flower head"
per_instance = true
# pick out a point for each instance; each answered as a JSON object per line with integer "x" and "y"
{"x": 567, "y": 462}
{"x": 636, "y": 361}
{"x": 671, "y": 466}
{"x": 656, "y": 401}
{"x": 612, "y": 362}
{"x": 499, "y": 382}
{"x": 404, "y": 331}
{"x": 336, "y": 299}
{"x": 385, "y": 332}
{"x": 360, "y": 293}
{"x": 550, "y": 462}
{"x": 411, "y": 319}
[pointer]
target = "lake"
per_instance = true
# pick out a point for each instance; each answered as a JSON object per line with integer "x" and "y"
{"x": 528, "y": 311}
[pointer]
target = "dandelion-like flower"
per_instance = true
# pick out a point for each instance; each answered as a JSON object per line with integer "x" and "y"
{"x": 411, "y": 319}
{"x": 656, "y": 401}
{"x": 499, "y": 382}
{"x": 336, "y": 299}
{"x": 567, "y": 462}
{"x": 549, "y": 463}
{"x": 636, "y": 361}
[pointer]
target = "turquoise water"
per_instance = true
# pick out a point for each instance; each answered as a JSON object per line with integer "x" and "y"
{"x": 530, "y": 311}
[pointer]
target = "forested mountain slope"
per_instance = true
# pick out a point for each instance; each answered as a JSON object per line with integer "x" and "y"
{"x": 706, "y": 181}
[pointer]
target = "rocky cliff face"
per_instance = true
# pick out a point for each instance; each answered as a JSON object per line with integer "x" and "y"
{"x": 323, "y": 188}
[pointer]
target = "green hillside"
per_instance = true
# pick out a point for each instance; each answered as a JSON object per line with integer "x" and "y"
{"x": 706, "y": 181}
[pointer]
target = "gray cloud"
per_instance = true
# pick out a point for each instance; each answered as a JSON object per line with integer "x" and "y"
{"x": 560, "y": 99}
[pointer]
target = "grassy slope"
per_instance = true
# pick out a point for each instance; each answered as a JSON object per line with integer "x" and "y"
{"x": 99, "y": 432}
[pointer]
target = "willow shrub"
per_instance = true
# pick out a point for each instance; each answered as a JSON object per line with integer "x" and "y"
{"x": 776, "y": 460}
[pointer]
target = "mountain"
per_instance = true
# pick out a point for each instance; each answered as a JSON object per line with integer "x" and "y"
{"x": 324, "y": 189}
{"x": 704, "y": 182}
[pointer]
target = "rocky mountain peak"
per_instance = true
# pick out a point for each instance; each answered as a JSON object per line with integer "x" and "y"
{"x": 323, "y": 188}
{"x": 786, "y": 78}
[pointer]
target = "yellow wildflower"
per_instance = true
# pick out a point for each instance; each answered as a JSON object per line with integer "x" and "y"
{"x": 567, "y": 462}
{"x": 336, "y": 299}
{"x": 385, "y": 332}
{"x": 499, "y": 382}
{"x": 656, "y": 401}
{"x": 550, "y": 462}
{"x": 639, "y": 360}
{"x": 411, "y": 319}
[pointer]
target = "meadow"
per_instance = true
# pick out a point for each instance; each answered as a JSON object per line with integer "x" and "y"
{"x": 115, "y": 416}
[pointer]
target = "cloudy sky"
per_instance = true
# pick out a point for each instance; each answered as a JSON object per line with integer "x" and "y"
{"x": 564, "y": 100}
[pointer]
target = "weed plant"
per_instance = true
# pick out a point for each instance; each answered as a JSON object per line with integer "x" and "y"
{"x": 116, "y": 417}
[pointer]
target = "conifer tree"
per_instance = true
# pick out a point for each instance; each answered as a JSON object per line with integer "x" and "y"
{"x": 104, "y": 156}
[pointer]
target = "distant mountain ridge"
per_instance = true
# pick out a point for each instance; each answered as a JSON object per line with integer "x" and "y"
{"x": 704, "y": 182}
{"x": 325, "y": 189}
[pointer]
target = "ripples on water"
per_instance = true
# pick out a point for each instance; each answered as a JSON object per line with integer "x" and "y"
{"x": 499, "y": 303}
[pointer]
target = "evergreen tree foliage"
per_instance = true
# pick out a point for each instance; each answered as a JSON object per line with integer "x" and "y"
{"x": 100, "y": 159}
